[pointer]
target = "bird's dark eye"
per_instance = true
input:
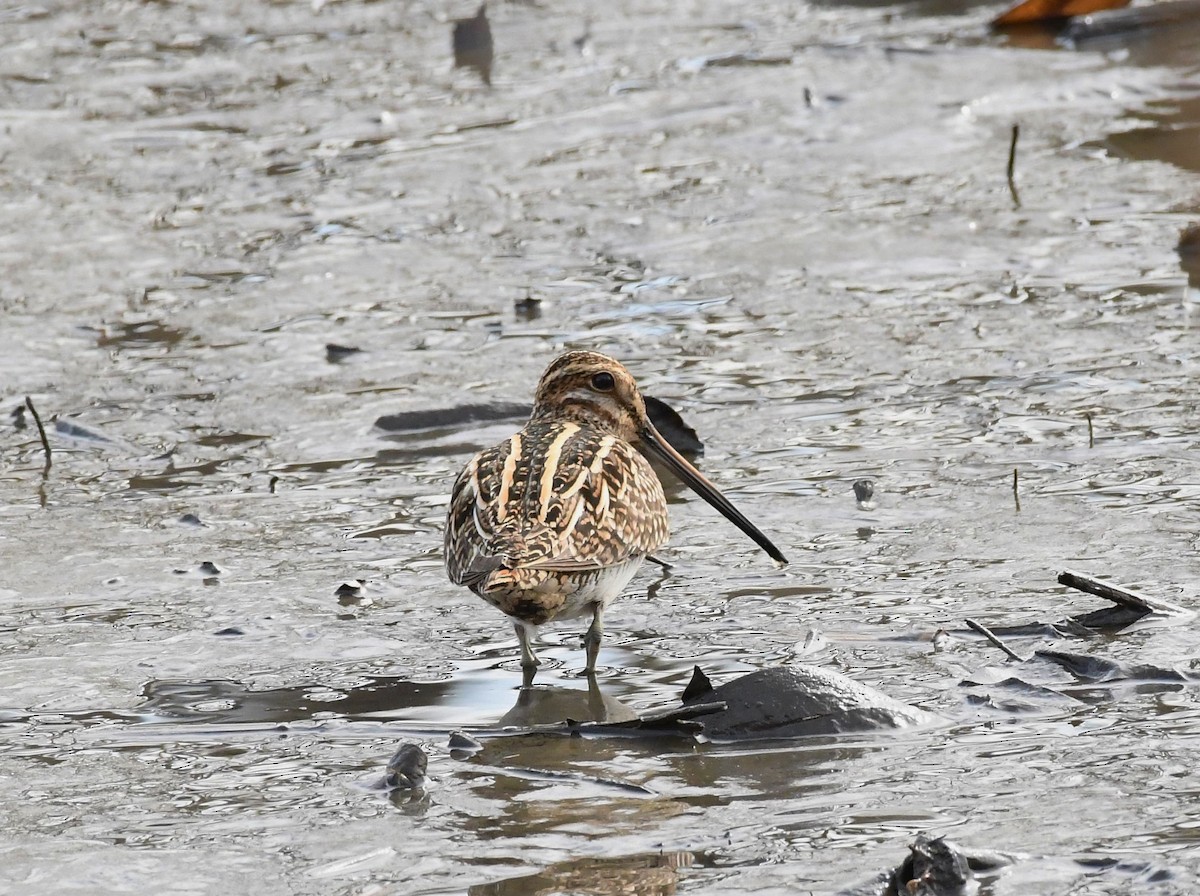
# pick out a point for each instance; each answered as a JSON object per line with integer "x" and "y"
{"x": 603, "y": 382}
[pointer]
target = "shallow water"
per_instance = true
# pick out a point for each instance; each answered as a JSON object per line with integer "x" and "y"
{"x": 818, "y": 261}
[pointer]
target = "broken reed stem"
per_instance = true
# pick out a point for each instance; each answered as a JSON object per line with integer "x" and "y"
{"x": 1091, "y": 432}
{"x": 1016, "y": 495}
{"x": 1012, "y": 165}
{"x": 1125, "y": 597}
{"x": 987, "y": 633}
{"x": 41, "y": 432}
{"x": 1012, "y": 151}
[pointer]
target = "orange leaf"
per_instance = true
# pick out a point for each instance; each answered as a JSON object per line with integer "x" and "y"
{"x": 1047, "y": 10}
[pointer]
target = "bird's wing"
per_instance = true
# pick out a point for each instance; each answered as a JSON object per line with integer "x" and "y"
{"x": 587, "y": 502}
{"x": 605, "y": 506}
{"x": 469, "y": 529}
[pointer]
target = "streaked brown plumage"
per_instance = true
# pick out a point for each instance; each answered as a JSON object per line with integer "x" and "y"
{"x": 553, "y": 522}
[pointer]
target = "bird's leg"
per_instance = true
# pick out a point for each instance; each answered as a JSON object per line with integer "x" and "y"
{"x": 529, "y": 661}
{"x": 595, "y": 634}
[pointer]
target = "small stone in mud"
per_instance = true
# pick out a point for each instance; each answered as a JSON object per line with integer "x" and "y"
{"x": 463, "y": 746}
{"x": 935, "y": 866}
{"x": 941, "y": 640}
{"x": 190, "y": 519}
{"x": 336, "y": 354}
{"x": 353, "y": 593}
{"x": 1189, "y": 253}
{"x": 864, "y": 491}
{"x": 406, "y": 769}
{"x": 208, "y": 568}
{"x": 472, "y": 43}
{"x": 229, "y": 632}
{"x": 351, "y": 590}
{"x": 528, "y": 308}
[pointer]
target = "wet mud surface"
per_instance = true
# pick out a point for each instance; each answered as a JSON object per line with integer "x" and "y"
{"x": 239, "y": 234}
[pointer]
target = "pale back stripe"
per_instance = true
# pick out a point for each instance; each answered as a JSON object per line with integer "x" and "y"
{"x": 603, "y": 494}
{"x": 550, "y": 467}
{"x": 602, "y": 452}
{"x": 507, "y": 475}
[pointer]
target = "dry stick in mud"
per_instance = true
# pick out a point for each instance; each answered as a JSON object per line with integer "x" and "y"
{"x": 1016, "y": 496}
{"x": 41, "y": 433}
{"x": 1012, "y": 164}
{"x": 1126, "y": 597}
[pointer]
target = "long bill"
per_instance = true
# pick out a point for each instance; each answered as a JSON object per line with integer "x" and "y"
{"x": 661, "y": 449}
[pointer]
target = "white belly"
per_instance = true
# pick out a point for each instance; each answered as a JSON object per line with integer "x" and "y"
{"x": 601, "y": 587}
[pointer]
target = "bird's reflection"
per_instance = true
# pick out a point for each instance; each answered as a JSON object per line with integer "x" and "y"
{"x": 551, "y": 704}
{"x": 640, "y": 875}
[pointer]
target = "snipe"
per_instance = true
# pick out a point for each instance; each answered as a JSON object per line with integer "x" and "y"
{"x": 553, "y": 522}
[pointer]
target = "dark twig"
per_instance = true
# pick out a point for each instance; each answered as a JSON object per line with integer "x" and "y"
{"x": 1016, "y": 496}
{"x": 41, "y": 433}
{"x": 1012, "y": 165}
{"x": 987, "y": 633}
{"x": 1091, "y": 432}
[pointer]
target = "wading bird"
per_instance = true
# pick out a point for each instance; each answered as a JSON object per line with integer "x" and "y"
{"x": 553, "y": 522}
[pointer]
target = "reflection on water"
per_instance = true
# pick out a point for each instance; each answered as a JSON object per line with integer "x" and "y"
{"x": 548, "y": 705}
{"x": 472, "y": 44}
{"x": 141, "y": 334}
{"x": 1148, "y": 34}
{"x": 644, "y": 875}
{"x": 475, "y": 698}
{"x": 228, "y": 702}
{"x": 1173, "y": 134}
